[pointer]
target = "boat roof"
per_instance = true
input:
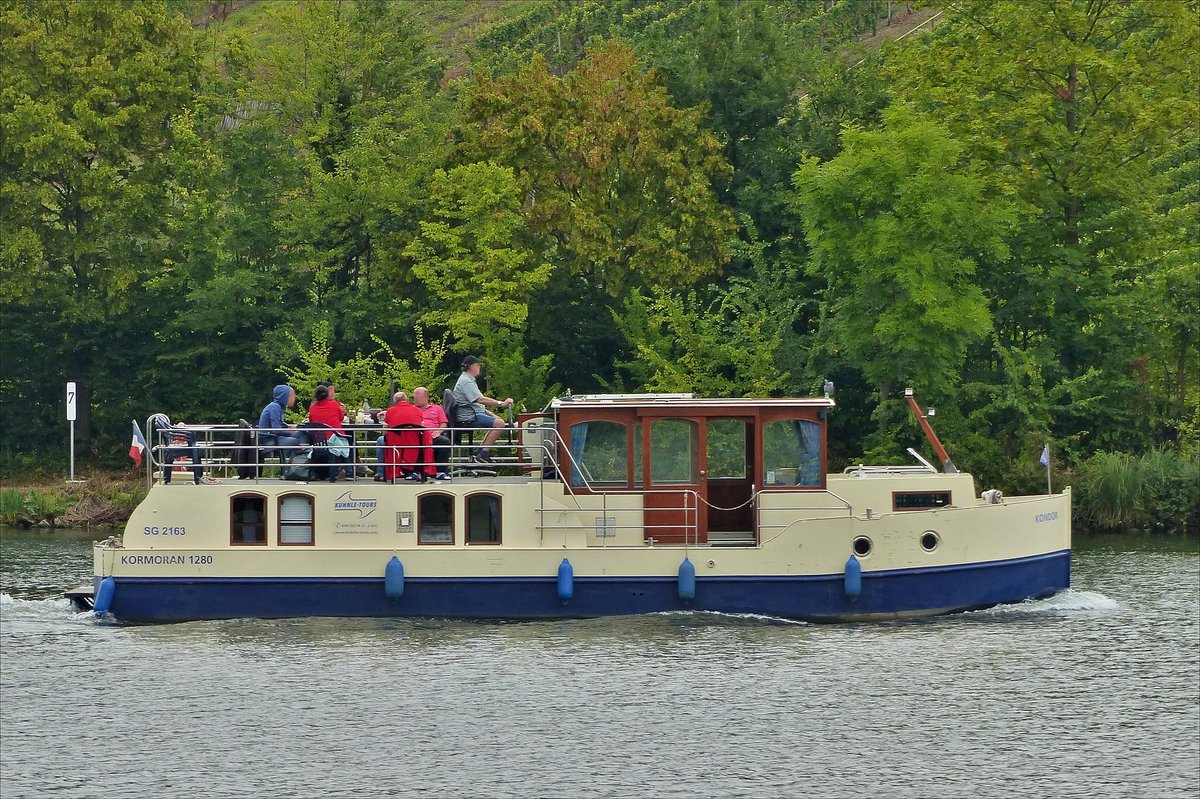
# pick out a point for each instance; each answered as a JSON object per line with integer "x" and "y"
{"x": 686, "y": 401}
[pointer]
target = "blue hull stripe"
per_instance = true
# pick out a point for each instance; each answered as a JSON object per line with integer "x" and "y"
{"x": 885, "y": 594}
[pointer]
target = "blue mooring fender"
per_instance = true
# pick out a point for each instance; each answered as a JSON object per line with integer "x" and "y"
{"x": 566, "y": 580}
{"x": 104, "y": 596}
{"x": 853, "y": 578}
{"x": 687, "y": 580}
{"x": 393, "y": 579}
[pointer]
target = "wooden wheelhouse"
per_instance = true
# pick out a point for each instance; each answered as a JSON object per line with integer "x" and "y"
{"x": 696, "y": 463}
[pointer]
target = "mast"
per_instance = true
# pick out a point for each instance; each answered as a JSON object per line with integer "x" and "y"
{"x": 947, "y": 464}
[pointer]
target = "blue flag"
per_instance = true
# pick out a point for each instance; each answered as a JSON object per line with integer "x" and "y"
{"x": 1045, "y": 459}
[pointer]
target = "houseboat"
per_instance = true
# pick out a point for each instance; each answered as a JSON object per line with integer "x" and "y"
{"x": 600, "y": 505}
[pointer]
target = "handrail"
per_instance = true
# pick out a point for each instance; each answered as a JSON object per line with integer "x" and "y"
{"x": 215, "y": 447}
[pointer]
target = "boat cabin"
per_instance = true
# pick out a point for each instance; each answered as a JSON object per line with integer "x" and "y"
{"x": 697, "y": 463}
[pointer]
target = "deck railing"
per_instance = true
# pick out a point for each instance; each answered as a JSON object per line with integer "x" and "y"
{"x": 225, "y": 450}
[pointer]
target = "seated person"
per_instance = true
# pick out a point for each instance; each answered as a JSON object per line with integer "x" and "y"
{"x": 404, "y": 439}
{"x": 178, "y": 442}
{"x": 328, "y": 412}
{"x": 435, "y": 422}
{"x": 471, "y": 410}
{"x": 274, "y": 434}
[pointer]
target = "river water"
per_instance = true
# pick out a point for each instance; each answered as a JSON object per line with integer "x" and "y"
{"x": 1092, "y": 693}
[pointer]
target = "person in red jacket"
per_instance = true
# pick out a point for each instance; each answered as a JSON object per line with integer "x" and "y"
{"x": 327, "y": 411}
{"x": 405, "y": 439}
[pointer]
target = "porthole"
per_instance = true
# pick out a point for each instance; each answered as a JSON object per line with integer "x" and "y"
{"x": 862, "y": 546}
{"x": 929, "y": 540}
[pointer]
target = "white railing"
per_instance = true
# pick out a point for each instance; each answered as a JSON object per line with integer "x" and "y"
{"x": 200, "y": 451}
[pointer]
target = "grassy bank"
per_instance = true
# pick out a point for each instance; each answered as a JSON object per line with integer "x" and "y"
{"x": 103, "y": 499}
{"x": 1156, "y": 491}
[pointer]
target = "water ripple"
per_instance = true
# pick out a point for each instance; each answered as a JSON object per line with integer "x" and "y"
{"x": 1092, "y": 692}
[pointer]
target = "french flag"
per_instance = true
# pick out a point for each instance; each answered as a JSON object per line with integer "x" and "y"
{"x": 138, "y": 445}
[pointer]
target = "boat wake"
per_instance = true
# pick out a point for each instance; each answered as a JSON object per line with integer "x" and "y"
{"x": 718, "y": 616}
{"x": 47, "y": 607}
{"x": 1068, "y": 601}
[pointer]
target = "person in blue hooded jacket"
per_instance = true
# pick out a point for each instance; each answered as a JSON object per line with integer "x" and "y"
{"x": 274, "y": 433}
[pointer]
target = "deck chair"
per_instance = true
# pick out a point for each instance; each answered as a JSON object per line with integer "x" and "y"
{"x": 245, "y": 451}
{"x": 322, "y": 464}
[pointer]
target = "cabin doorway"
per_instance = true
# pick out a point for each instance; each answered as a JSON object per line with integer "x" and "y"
{"x": 729, "y": 458}
{"x": 700, "y": 479}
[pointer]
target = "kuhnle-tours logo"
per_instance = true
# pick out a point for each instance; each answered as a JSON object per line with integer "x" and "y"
{"x": 347, "y": 502}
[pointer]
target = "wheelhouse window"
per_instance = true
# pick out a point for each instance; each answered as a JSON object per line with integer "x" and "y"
{"x": 435, "y": 519}
{"x": 601, "y": 454}
{"x": 483, "y": 519}
{"x": 920, "y": 500}
{"x": 792, "y": 453}
{"x": 726, "y": 448}
{"x": 248, "y": 520}
{"x": 673, "y": 445}
{"x": 295, "y": 520}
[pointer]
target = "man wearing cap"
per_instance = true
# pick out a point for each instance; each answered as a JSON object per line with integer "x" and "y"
{"x": 471, "y": 410}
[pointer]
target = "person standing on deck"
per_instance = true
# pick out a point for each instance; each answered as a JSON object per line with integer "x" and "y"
{"x": 471, "y": 410}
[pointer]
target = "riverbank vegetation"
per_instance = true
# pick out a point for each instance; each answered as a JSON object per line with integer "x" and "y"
{"x": 1000, "y": 210}
{"x": 99, "y": 499}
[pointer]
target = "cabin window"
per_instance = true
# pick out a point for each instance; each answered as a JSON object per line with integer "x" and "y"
{"x": 919, "y": 500}
{"x": 673, "y": 445}
{"x": 600, "y": 452}
{"x": 248, "y": 520}
{"x": 726, "y": 448}
{"x": 483, "y": 519}
{"x": 792, "y": 453}
{"x": 295, "y": 520}
{"x": 435, "y": 519}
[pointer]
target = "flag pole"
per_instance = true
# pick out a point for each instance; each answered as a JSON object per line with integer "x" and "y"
{"x": 1049, "y": 489}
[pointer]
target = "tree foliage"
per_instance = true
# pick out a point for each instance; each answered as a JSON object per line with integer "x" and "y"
{"x": 618, "y": 182}
{"x": 470, "y": 255}
{"x": 897, "y": 224}
{"x": 201, "y": 200}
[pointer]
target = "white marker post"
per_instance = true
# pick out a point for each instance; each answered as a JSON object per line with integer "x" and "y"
{"x": 72, "y": 395}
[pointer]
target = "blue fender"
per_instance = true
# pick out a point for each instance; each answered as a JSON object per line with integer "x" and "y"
{"x": 853, "y": 578}
{"x": 393, "y": 579}
{"x": 566, "y": 580}
{"x": 687, "y": 580}
{"x": 104, "y": 596}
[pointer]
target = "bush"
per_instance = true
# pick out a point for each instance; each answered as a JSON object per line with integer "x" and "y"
{"x": 1156, "y": 491}
{"x": 30, "y": 506}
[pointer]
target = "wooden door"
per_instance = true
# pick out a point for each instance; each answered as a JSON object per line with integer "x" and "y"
{"x": 729, "y": 479}
{"x": 673, "y": 451}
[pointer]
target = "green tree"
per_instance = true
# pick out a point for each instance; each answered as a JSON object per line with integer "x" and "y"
{"x": 617, "y": 181}
{"x": 896, "y": 224}
{"x": 618, "y": 191}
{"x": 88, "y": 95}
{"x": 470, "y": 254}
{"x": 354, "y": 85}
{"x": 1068, "y": 105}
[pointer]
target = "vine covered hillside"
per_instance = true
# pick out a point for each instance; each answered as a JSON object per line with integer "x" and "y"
{"x": 994, "y": 202}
